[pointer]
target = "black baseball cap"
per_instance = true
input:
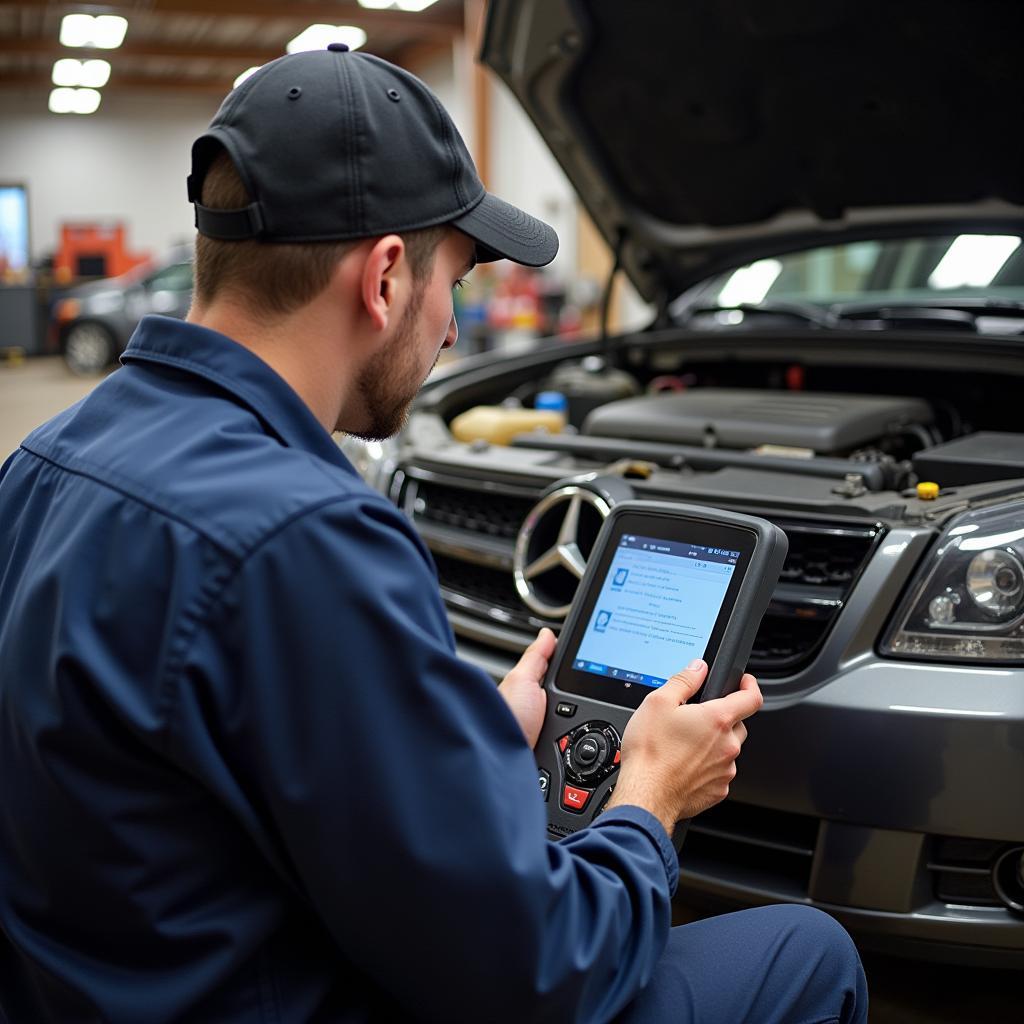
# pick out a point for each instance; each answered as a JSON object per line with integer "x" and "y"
{"x": 337, "y": 145}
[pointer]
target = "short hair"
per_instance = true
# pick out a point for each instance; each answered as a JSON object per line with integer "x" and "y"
{"x": 277, "y": 278}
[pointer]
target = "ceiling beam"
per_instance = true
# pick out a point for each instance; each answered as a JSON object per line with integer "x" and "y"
{"x": 445, "y": 23}
{"x": 412, "y": 56}
{"x": 125, "y": 83}
{"x": 143, "y": 48}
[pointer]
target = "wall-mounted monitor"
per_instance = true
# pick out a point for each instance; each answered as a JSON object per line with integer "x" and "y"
{"x": 14, "y": 243}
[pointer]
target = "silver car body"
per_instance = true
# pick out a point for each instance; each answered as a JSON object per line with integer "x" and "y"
{"x": 883, "y": 786}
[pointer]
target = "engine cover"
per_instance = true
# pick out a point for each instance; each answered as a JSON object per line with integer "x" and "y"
{"x": 745, "y": 418}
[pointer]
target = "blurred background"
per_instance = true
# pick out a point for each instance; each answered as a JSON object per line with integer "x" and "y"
{"x": 98, "y": 110}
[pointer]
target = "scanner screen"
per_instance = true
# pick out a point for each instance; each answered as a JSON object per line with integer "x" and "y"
{"x": 656, "y": 609}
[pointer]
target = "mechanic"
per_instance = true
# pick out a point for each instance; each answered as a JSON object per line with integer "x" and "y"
{"x": 243, "y": 775}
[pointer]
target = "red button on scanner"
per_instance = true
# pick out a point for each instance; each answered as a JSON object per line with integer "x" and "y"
{"x": 574, "y": 799}
{"x": 615, "y": 759}
{"x": 562, "y": 742}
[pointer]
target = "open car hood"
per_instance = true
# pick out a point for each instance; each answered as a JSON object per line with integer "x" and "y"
{"x": 703, "y": 134}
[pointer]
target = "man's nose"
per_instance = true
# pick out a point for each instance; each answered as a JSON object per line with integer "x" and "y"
{"x": 452, "y": 335}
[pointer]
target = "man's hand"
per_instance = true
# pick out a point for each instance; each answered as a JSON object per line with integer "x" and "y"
{"x": 677, "y": 758}
{"x": 521, "y": 688}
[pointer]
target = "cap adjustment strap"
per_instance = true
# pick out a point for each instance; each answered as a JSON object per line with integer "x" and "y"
{"x": 229, "y": 225}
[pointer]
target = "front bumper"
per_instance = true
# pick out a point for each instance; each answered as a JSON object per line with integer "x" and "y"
{"x": 881, "y": 791}
{"x": 899, "y": 797}
{"x": 874, "y": 801}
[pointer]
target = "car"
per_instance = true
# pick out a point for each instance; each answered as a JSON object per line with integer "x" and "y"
{"x": 823, "y": 205}
{"x": 95, "y": 321}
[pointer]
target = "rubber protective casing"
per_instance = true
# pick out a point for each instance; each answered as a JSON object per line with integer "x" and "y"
{"x": 770, "y": 548}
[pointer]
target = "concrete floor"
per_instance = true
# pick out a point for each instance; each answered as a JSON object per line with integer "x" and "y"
{"x": 902, "y": 992}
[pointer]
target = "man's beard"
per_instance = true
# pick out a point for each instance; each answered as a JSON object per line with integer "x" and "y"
{"x": 391, "y": 379}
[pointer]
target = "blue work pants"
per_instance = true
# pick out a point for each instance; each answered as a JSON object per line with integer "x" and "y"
{"x": 771, "y": 965}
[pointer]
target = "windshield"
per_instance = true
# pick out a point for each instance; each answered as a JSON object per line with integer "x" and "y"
{"x": 951, "y": 271}
{"x": 175, "y": 278}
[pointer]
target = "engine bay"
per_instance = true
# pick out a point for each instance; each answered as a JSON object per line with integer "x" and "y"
{"x": 864, "y": 419}
{"x": 839, "y": 444}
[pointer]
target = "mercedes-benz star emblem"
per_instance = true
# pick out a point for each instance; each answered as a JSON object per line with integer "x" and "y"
{"x": 548, "y": 545}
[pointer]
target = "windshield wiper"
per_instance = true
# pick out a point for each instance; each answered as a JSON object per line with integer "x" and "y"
{"x": 882, "y": 318}
{"x": 804, "y": 312}
{"x": 956, "y": 315}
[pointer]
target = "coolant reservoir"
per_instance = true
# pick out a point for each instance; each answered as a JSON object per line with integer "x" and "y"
{"x": 499, "y": 425}
{"x": 589, "y": 384}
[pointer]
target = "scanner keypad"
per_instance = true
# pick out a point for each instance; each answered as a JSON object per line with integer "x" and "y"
{"x": 590, "y": 753}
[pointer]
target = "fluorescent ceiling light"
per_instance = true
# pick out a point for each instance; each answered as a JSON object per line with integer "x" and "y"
{"x": 74, "y": 101}
{"x": 316, "y": 37}
{"x": 402, "y": 5}
{"x": 749, "y": 285}
{"x": 104, "y": 32}
{"x": 67, "y": 71}
{"x": 95, "y": 73}
{"x": 247, "y": 73}
{"x": 972, "y": 261}
{"x": 70, "y": 72}
{"x": 62, "y": 101}
{"x": 87, "y": 101}
{"x": 76, "y": 29}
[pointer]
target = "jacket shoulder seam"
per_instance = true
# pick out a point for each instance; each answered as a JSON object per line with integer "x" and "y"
{"x": 114, "y": 481}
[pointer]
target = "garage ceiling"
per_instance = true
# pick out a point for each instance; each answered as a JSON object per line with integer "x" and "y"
{"x": 200, "y": 46}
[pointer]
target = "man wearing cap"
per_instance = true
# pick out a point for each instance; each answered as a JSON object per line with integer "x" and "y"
{"x": 243, "y": 775}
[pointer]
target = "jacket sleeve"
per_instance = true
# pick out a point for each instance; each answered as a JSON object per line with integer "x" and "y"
{"x": 394, "y": 790}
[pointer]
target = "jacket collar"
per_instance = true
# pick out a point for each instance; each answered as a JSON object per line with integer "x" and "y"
{"x": 232, "y": 367}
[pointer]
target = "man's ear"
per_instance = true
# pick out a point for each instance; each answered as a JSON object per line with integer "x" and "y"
{"x": 382, "y": 279}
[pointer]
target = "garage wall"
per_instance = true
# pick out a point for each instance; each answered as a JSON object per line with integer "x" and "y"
{"x": 524, "y": 172}
{"x": 444, "y": 73}
{"x": 130, "y": 159}
{"x": 126, "y": 162}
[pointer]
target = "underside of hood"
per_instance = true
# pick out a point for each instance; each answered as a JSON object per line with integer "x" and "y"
{"x": 701, "y": 134}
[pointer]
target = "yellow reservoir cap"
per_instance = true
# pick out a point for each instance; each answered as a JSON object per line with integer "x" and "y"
{"x": 927, "y": 491}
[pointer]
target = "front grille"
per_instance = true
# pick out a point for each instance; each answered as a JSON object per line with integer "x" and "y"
{"x": 491, "y": 514}
{"x": 472, "y": 534}
{"x": 961, "y": 870}
{"x": 817, "y": 560}
{"x": 492, "y": 587}
{"x": 762, "y": 849}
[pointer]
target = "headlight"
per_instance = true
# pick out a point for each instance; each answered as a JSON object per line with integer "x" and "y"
{"x": 374, "y": 461}
{"x": 969, "y": 602}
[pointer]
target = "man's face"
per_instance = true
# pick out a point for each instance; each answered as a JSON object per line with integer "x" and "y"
{"x": 392, "y": 378}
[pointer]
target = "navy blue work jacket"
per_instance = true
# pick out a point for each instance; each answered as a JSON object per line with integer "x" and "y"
{"x": 243, "y": 775}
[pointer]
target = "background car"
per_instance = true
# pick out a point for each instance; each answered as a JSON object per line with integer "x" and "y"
{"x": 95, "y": 320}
{"x": 831, "y": 243}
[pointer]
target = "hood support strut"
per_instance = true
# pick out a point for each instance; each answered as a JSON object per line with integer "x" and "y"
{"x": 606, "y": 298}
